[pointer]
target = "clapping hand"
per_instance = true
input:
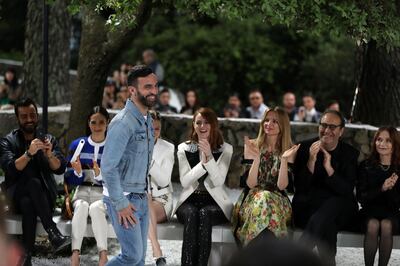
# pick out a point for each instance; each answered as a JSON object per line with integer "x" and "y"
{"x": 205, "y": 149}
{"x": 327, "y": 162}
{"x": 314, "y": 149}
{"x": 251, "y": 150}
{"x": 390, "y": 182}
{"x": 290, "y": 154}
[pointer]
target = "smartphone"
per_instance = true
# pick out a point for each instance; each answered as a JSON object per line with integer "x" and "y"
{"x": 40, "y": 135}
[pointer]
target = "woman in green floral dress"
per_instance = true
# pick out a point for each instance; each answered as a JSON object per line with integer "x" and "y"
{"x": 266, "y": 205}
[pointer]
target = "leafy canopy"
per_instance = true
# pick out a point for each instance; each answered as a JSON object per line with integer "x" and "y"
{"x": 364, "y": 20}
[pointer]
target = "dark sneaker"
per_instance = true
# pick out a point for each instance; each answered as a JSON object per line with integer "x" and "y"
{"x": 57, "y": 240}
{"x": 161, "y": 261}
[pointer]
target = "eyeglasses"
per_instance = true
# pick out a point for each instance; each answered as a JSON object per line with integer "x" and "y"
{"x": 254, "y": 98}
{"x": 330, "y": 126}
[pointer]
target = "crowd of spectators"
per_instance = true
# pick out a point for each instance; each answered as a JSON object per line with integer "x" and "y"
{"x": 116, "y": 93}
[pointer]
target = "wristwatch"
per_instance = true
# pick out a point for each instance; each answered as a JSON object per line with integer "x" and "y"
{"x": 27, "y": 154}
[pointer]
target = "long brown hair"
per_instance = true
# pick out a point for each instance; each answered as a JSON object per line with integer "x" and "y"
{"x": 284, "y": 139}
{"x": 395, "y": 138}
{"x": 215, "y": 138}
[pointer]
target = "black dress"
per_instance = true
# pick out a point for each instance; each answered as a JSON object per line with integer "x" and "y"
{"x": 376, "y": 203}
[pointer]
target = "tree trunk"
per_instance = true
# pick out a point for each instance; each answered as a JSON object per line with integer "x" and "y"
{"x": 59, "y": 54}
{"x": 99, "y": 47}
{"x": 378, "y": 100}
{"x": 59, "y": 34}
{"x": 33, "y": 51}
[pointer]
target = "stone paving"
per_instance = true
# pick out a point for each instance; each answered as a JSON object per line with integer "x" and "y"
{"x": 172, "y": 249}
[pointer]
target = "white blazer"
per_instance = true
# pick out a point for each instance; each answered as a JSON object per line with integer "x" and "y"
{"x": 161, "y": 167}
{"x": 214, "y": 182}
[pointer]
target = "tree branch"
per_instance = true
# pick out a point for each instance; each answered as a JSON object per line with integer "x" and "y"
{"x": 120, "y": 38}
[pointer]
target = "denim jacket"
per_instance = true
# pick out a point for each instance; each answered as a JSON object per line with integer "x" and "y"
{"x": 127, "y": 154}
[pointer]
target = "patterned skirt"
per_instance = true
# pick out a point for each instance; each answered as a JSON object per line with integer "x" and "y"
{"x": 259, "y": 210}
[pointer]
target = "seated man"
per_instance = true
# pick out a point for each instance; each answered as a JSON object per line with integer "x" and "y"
{"x": 324, "y": 175}
{"x": 29, "y": 160}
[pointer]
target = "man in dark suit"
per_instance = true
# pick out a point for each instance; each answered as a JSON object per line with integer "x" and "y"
{"x": 324, "y": 176}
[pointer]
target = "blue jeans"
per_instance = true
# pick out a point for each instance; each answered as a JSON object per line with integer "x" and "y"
{"x": 133, "y": 240}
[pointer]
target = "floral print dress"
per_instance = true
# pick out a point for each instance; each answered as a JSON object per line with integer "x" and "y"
{"x": 265, "y": 206}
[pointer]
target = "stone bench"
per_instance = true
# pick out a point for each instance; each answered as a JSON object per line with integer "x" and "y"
{"x": 223, "y": 242}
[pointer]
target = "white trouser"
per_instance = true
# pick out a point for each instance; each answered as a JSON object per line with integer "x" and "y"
{"x": 88, "y": 200}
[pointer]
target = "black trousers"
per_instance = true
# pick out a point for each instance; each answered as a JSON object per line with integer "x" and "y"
{"x": 198, "y": 214}
{"x": 30, "y": 200}
{"x": 322, "y": 221}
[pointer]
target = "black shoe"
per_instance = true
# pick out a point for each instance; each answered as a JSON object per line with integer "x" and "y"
{"x": 57, "y": 240}
{"x": 161, "y": 261}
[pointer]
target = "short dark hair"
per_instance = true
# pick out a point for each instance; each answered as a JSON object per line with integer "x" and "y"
{"x": 338, "y": 114}
{"x": 234, "y": 94}
{"x": 255, "y": 90}
{"x": 24, "y": 103}
{"x": 97, "y": 109}
{"x": 165, "y": 90}
{"x": 138, "y": 71}
{"x": 308, "y": 94}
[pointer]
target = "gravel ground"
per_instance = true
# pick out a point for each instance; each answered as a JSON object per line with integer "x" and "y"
{"x": 172, "y": 249}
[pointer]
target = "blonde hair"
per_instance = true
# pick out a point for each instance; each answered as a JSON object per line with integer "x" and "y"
{"x": 284, "y": 140}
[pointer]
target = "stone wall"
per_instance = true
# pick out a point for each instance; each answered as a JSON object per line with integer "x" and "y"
{"x": 175, "y": 128}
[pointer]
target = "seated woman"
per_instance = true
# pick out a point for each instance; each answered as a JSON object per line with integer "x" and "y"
{"x": 266, "y": 208}
{"x": 378, "y": 191}
{"x": 85, "y": 172}
{"x": 160, "y": 200}
{"x": 203, "y": 164}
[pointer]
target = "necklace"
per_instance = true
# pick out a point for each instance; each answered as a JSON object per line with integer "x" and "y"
{"x": 384, "y": 167}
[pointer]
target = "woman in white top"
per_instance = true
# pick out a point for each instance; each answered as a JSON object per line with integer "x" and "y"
{"x": 160, "y": 200}
{"x": 203, "y": 164}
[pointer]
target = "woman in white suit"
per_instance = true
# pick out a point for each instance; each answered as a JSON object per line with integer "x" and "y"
{"x": 203, "y": 164}
{"x": 160, "y": 200}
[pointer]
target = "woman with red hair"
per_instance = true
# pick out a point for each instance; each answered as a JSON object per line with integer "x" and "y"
{"x": 203, "y": 164}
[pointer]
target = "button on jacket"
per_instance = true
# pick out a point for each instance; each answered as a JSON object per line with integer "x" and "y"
{"x": 127, "y": 154}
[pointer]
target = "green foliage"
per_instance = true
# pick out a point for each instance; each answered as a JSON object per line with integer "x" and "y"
{"x": 220, "y": 57}
{"x": 363, "y": 20}
{"x": 12, "y": 16}
{"x": 117, "y": 12}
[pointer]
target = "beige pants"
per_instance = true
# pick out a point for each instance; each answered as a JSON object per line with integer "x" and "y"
{"x": 88, "y": 200}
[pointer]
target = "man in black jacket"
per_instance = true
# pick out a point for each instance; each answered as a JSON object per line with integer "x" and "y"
{"x": 324, "y": 177}
{"x": 29, "y": 160}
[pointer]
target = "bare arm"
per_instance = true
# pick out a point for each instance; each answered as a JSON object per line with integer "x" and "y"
{"x": 252, "y": 179}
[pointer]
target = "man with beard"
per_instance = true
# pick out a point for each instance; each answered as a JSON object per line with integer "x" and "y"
{"x": 325, "y": 171}
{"x": 29, "y": 160}
{"x": 125, "y": 166}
